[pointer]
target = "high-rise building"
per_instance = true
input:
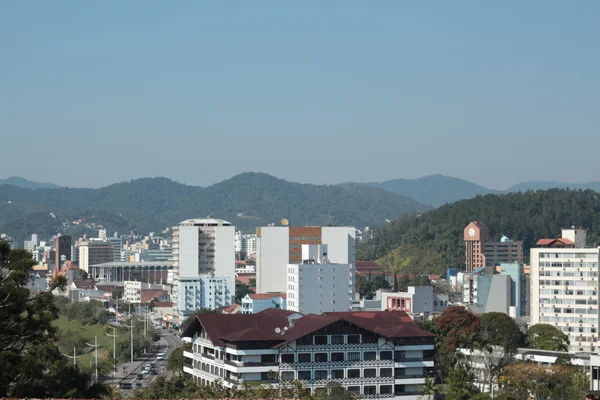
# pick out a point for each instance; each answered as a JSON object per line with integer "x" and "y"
{"x": 62, "y": 250}
{"x": 316, "y": 286}
{"x": 118, "y": 248}
{"x": 482, "y": 252}
{"x": 201, "y": 248}
{"x": 102, "y": 234}
{"x": 276, "y": 247}
{"x": 564, "y": 288}
{"x": 95, "y": 252}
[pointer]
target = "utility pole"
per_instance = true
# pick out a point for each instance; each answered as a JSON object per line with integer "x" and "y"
{"x": 114, "y": 336}
{"x": 95, "y": 346}
{"x": 74, "y": 357}
{"x": 131, "y": 328}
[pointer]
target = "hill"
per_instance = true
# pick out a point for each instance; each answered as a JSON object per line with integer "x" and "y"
{"x": 151, "y": 204}
{"x": 24, "y": 183}
{"x": 433, "y": 241}
{"x": 435, "y": 190}
{"x": 545, "y": 185}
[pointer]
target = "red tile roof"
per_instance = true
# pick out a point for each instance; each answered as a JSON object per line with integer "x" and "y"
{"x": 245, "y": 279}
{"x": 148, "y": 294}
{"x": 163, "y": 304}
{"x": 547, "y": 242}
{"x": 434, "y": 277}
{"x": 222, "y": 328}
{"x": 229, "y": 309}
{"x": 264, "y": 296}
{"x": 367, "y": 265}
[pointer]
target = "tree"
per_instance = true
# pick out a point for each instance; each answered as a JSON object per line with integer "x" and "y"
{"x": 547, "y": 337}
{"x": 460, "y": 383}
{"x": 241, "y": 291}
{"x": 83, "y": 274}
{"x": 176, "y": 360}
{"x": 499, "y": 329}
{"x": 455, "y": 328}
{"x": 252, "y": 282}
{"x": 429, "y": 389}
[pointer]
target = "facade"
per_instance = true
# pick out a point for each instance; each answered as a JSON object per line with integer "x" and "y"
{"x": 564, "y": 288}
{"x": 133, "y": 292}
{"x": 94, "y": 252}
{"x": 317, "y": 286}
{"x": 150, "y": 272}
{"x": 245, "y": 244}
{"x": 118, "y": 248}
{"x": 519, "y": 287}
{"x": 417, "y": 301}
{"x": 481, "y": 251}
{"x": 278, "y": 246}
{"x": 204, "y": 291}
{"x": 62, "y": 245}
{"x": 257, "y": 302}
{"x": 201, "y": 248}
{"x": 373, "y": 354}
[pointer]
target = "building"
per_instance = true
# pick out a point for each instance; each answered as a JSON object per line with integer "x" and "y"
{"x": 256, "y": 302}
{"x": 519, "y": 287}
{"x": 204, "y": 291}
{"x": 202, "y": 248}
{"x": 31, "y": 245}
{"x": 316, "y": 285}
{"x": 564, "y": 288}
{"x": 278, "y": 246}
{"x": 150, "y": 272}
{"x": 118, "y": 248}
{"x": 482, "y": 252}
{"x": 94, "y": 252}
{"x": 133, "y": 292}
{"x": 62, "y": 248}
{"x": 371, "y": 354}
{"x": 417, "y": 301}
{"x": 245, "y": 244}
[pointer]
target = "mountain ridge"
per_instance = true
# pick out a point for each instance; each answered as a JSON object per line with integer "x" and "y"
{"x": 26, "y": 183}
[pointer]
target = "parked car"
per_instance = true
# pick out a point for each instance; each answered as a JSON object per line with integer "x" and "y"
{"x": 126, "y": 385}
{"x": 153, "y": 372}
{"x": 140, "y": 376}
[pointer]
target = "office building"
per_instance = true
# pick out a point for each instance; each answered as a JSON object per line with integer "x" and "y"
{"x": 201, "y": 248}
{"x": 95, "y": 252}
{"x": 519, "y": 287}
{"x": 417, "y": 301}
{"x": 62, "y": 250}
{"x": 245, "y": 244}
{"x": 316, "y": 285}
{"x": 481, "y": 251}
{"x": 564, "y": 288}
{"x": 373, "y": 355}
{"x": 254, "y": 303}
{"x": 118, "y": 248}
{"x": 278, "y": 246}
{"x": 149, "y": 272}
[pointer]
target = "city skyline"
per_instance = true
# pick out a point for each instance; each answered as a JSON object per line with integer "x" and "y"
{"x": 364, "y": 92}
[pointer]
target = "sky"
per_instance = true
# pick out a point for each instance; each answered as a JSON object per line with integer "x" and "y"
{"x": 97, "y": 92}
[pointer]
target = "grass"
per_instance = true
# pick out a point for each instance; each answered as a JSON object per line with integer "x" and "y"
{"x": 88, "y": 332}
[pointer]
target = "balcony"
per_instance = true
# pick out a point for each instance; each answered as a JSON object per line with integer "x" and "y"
{"x": 251, "y": 364}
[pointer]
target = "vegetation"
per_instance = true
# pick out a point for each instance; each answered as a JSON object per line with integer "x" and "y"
{"x": 433, "y": 241}
{"x": 547, "y": 337}
{"x": 527, "y": 380}
{"x": 247, "y": 200}
{"x": 176, "y": 360}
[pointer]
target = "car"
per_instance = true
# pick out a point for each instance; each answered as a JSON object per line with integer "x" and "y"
{"x": 153, "y": 372}
{"x": 140, "y": 376}
{"x": 145, "y": 372}
{"x": 126, "y": 385}
{"x": 152, "y": 364}
{"x": 160, "y": 357}
{"x": 146, "y": 367}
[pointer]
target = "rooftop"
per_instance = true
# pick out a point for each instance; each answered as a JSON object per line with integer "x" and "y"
{"x": 205, "y": 222}
{"x": 116, "y": 264}
{"x": 264, "y": 296}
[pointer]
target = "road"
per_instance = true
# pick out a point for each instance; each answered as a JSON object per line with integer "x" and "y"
{"x": 129, "y": 371}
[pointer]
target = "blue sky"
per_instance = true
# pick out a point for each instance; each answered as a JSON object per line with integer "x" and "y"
{"x": 98, "y": 92}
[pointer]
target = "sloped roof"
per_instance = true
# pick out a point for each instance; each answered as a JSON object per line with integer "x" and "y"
{"x": 366, "y": 265}
{"x": 265, "y": 296}
{"x": 245, "y": 279}
{"x": 548, "y": 242}
{"x": 148, "y": 294}
{"x": 229, "y": 309}
{"x": 163, "y": 304}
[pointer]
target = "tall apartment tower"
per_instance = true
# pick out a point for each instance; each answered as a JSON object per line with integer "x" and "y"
{"x": 203, "y": 250}
{"x": 481, "y": 251}
{"x": 276, "y": 247}
{"x": 62, "y": 245}
{"x": 95, "y": 252}
{"x": 564, "y": 288}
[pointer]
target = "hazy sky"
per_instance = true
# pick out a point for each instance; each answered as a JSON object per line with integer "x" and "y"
{"x": 495, "y": 92}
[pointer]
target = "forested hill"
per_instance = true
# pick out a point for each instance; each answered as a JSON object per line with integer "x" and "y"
{"x": 247, "y": 200}
{"x": 434, "y": 241}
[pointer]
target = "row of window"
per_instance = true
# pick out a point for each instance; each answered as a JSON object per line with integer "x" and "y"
{"x": 569, "y": 255}
{"x": 337, "y": 339}
{"x": 341, "y": 374}
{"x": 551, "y": 301}
{"x": 290, "y": 358}
{"x": 580, "y": 329}
{"x": 558, "y": 310}
{"x": 567, "y": 292}
{"x": 569, "y": 320}
{"x": 579, "y": 274}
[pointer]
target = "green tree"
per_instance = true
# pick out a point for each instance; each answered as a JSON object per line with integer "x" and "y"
{"x": 501, "y": 330}
{"x": 547, "y": 337}
{"x": 176, "y": 360}
{"x": 241, "y": 291}
{"x": 460, "y": 383}
{"x": 83, "y": 274}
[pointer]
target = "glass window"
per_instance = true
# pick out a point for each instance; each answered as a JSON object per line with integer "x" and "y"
{"x": 304, "y": 357}
{"x": 386, "y": 355}
{"x": 337, "y": 356}
{"x": 385, "y": 372}
{"x": 337, "y": 374}
{"x": 320, "y": 339}
{"x": 370, "y": 356}
{"x": 287, "y": 376}
{"x": 370, "y": 373}
{"x": 354, "y": 356}
{"x": 385, "y": 389}
{"x": 353, "y": 339}
{"x": 321, "y": 374}
{"x": 354, "y": 373}
{"x": 354, "y": 389}
{"x": 370, "y": 390}
{"x": 337, "y": 339}
{"x": 287, "y": 358}
{"x": 320, "y": 357}
{"x": 304, "y": 375}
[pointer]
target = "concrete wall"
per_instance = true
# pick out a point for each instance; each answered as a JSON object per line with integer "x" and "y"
{"x": 272, "y": 258}
{"x": 225, "y": 254}
{"x": 188, "y": 251}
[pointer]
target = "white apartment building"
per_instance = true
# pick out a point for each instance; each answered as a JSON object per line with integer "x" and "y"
{"x": 94, "y": 252}
{"x": 564, "y": 288}
{"x": 373, "y": 355}
{"x": 317, "y": 286}
{"x": 132, "y": 291}
{"x": 245, "y": 244}
{"x": 201, "y": 247}
{"x": 204, "y": 291}
{"x": 278, "y": 246}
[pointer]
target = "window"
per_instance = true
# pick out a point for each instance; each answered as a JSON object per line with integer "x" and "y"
{"x": 354, "y": 373}
{"x": 370, "y": 356}
{"x": 370, "y": 373}
{"x": 304, "y": 358}
{"x": 353, "y": 339}
{"x": 287, "y": 376}
{"x": 320, "y": 357}
{"x": 386, "y": 355}
{"x": 337, "y": 356}
{"x": 321, "y": 374}
{"x": 354, "y": 356}
{"x": 385, "y": 389}
{"x": 304, "y": 375}
{"x": 354, "y": 389}
{"x": 337, "y": 339}
{"x": 321, "y": 339}
{"x": 337, "y": 374}
{"x": 385, "y": 372}
{"x": 287, "y": 358}
{"x": 399, "y": 372}
{"x": 370, "y": 390}
{"x": 399, "y": 355}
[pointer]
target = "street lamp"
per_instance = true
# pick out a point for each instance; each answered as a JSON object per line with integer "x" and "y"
{"x": 95, "y": 346}
{"x": 74, "y": 357}
{"x": 114, "y": 336}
